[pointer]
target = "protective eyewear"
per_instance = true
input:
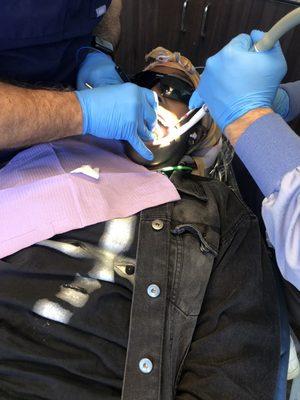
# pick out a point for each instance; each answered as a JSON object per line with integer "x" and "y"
{"x": 171, "y": 86}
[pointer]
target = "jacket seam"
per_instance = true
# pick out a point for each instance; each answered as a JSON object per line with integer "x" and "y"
{"x": 184, "y": 313}
{"x": 228, "y": 235}
{"x": 178, "y": 267}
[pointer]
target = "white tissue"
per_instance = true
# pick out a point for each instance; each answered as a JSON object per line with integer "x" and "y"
{"x": 88, "y": 171}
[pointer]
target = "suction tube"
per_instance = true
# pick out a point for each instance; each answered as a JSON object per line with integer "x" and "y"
{"x": 283, "y": 26}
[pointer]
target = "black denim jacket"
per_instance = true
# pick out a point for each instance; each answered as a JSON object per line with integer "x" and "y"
{"x": 210, "y": 328}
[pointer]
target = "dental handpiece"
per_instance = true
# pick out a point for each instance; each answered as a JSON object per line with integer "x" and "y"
{"x": 279, "y": 29}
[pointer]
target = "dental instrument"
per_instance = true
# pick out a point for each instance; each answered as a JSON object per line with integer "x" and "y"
{"x": 279, "y": 29}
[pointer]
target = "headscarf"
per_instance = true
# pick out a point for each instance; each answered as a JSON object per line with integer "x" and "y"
{"x": 161, "y": 57}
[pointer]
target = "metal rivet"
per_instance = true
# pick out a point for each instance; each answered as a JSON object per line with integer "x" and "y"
{"x": 157, "y": 224}
{"x": 145, "y": 365}
{"x": 153, "y": 291}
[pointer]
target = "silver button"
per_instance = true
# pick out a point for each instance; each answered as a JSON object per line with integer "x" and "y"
{"x": 153, "y": 290}
{"x": 145, "y": 365}
{"x": 157, "y": 224}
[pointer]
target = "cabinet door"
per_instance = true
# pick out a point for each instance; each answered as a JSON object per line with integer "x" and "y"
{"x": 264, "y": 15}
{"x": 221, "y": 20}
{"x": 145, "y": 25}
{"x": 228, "y": 18}
{"x": 199, "y": 28}
{"x": 193, "y": 31}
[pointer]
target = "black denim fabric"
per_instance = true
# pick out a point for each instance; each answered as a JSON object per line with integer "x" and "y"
{"x": 213, "y": 332}
{"x": 293, "y": 304}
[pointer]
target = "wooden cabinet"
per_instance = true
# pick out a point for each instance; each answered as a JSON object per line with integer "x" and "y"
{"x": 199, "y": 28}
{"x": 148, "y": 24}
{"x": 228, "y": 18}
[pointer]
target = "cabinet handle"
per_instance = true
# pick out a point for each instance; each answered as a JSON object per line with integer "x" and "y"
{"x": 204, "y": 20}
{"x": 183, "y": 15}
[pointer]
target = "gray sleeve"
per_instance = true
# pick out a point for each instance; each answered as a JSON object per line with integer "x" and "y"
{"x": 293, "y": 91}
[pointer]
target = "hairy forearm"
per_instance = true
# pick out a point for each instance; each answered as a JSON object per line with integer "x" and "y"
{"x": 30, "y": 116}
{"x": 267, "y": 146}
{"x": 235, "y": 130}
{"x": 110, "y": 27}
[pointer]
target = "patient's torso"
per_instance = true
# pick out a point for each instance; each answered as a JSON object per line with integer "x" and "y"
{"x": 65, "y": 312}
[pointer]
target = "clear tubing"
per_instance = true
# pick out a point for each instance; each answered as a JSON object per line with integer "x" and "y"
{"x": 283, "y": 26}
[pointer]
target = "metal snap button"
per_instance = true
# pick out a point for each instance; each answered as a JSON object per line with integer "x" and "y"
{"x": 153, "y": 291}
{"x": 157, "y": 224}
{"x": 129, "y": 269}
{"x": 145, "y": 365}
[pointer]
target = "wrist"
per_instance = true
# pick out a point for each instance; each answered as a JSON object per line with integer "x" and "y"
{"x": 80, "y": 99}
{"x": 236, "y": 129}
{"x": 74, "y": 116}
{"x": 57, "y": 112}
{"x": 99, "y": 56}
{"x": 104, "y": 46}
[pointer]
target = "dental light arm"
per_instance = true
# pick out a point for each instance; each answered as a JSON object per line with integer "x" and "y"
{"x": 283, "y": 26}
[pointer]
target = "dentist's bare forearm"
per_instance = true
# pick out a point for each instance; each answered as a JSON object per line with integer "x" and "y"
{"x": 266, "y": 145}
{"x": 236, "y": 129}
{"x": 30, "y": 116}
{"x": 110, "y": 27}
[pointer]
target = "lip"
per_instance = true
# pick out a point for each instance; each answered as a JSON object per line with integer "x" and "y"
{"x": 169, "y": 136}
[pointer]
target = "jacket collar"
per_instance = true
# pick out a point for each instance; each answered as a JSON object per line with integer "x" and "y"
{"x": 189, "y": 185}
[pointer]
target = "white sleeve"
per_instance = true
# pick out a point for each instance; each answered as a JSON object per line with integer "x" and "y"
{"x": 281, "y": 214}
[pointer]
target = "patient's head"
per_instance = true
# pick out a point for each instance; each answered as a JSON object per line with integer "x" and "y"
{"x": 174, "y": 79}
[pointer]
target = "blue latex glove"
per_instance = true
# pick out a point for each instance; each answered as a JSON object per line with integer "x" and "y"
{"x": 237, "y": 80}
{"x": 281, "y": 103}
{"x": 97, "y": 69}
{"x": 121, "y": 112}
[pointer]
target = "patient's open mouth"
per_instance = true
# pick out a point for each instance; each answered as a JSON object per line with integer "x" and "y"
{"x": 166, "y": 121}
{"x": 167, "y": 118}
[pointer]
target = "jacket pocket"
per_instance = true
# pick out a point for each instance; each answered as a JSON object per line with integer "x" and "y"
{"x": 193, "y": 266}
{"x": 195, "y": 230}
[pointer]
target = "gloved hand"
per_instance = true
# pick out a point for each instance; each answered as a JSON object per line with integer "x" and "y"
{"x": 97, "y": 69}
{"x": 237, "y": 80}
{"x": 281, "y": 103}
{"x": 121, "y": 112}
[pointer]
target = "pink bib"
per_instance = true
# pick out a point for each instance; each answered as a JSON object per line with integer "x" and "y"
{"x": 40, "y": 196}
